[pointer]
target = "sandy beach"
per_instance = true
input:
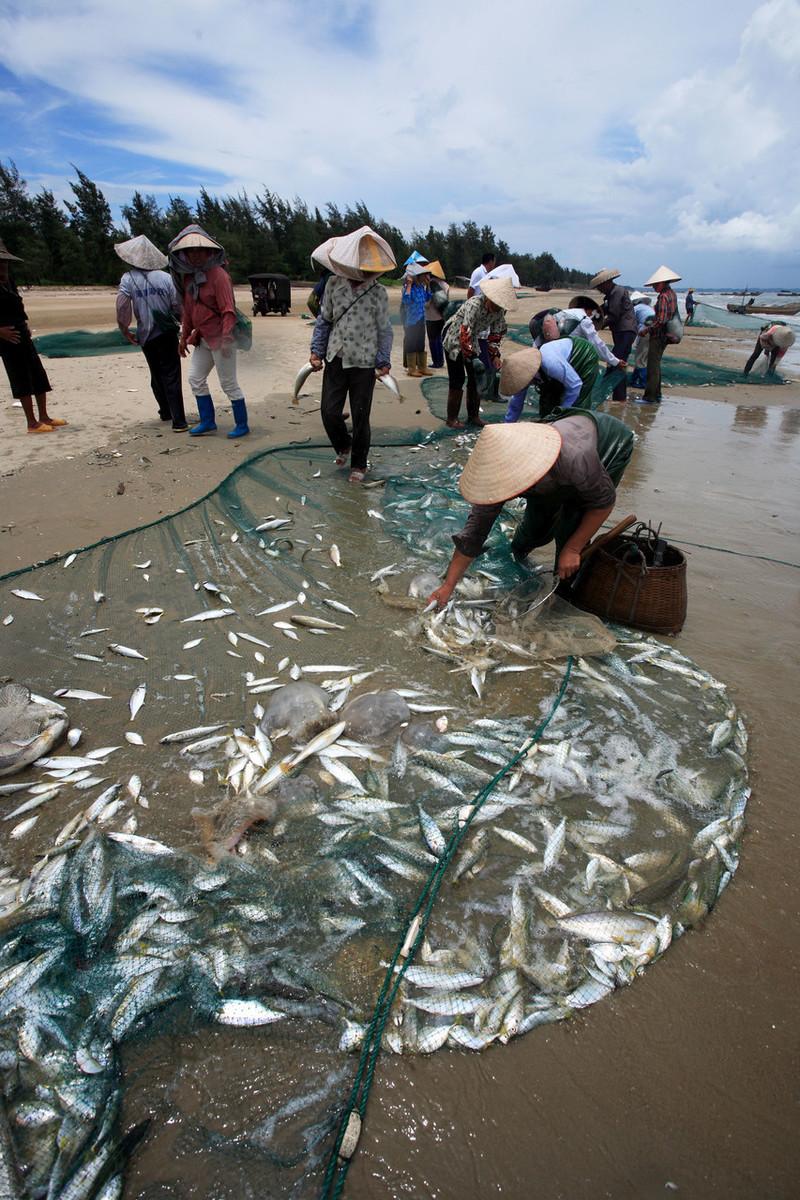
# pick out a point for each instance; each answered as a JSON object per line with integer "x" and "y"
{"x": 683, "y": 1083}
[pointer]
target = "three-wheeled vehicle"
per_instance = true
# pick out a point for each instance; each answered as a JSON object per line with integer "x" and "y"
{"x": 271, "y": 293}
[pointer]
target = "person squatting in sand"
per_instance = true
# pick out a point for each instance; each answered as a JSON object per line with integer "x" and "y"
{"x": 352, "y": 340}
{"x": 567, "y": 471}
{"x": 209, "y": 319}
{"x": 26, "y": 375}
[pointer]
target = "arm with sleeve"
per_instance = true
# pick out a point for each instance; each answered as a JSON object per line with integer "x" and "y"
{"x": 124, "y": 304}
{"x": 588, "y": 331}
{"x": 383, "y": 356}
{"x": 556, "y": 365}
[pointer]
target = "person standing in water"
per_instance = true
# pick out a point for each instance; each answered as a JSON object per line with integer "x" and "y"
{"x": 26, "y": 374}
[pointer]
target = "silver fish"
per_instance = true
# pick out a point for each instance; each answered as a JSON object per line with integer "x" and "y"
{"x": 302, "y": 376}
{"x": 23, "y": 595}
{"x": 79, "y": 694}
{"x": 210, "y": 614}
{"x": 137, "y": 699}
{"x": 389, "y": 382}
{"x": 186, "y": 735}
{"x": 320, "y": 742}
{"x": 246, "y": 1012}
{"x": 126, "y": 651}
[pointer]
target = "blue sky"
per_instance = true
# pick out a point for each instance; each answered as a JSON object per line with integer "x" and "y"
{"x": 609, "y": 134}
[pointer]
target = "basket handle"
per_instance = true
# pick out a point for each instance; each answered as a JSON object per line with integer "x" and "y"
{"x": 589, "y": 550}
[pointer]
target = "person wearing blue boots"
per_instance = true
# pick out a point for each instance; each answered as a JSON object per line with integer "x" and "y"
{"x": 209, "y": 320}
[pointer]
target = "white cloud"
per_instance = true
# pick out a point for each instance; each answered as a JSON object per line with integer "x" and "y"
{"x": 433, "y": 113}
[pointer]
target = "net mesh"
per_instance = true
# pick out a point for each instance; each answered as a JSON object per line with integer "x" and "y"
{"x": 201, "y": 894}
{"x": 80, "y": 343}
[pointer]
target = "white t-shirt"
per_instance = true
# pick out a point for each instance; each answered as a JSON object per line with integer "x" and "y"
{"x": 475, "y": 278}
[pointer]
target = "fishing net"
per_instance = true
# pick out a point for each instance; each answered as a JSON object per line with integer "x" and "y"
{"x": 80, "y": 343}
{"x": 201, "y": 892}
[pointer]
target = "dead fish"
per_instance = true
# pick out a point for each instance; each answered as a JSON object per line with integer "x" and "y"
{"x": 135, "y": 739}
{"x": 249, "y": 637}
{"x": 301, "y": 377}
{"x": 137, "y": 699}
{"x": 320, "y": 742}
{"x": 273, "y": 523}
{"x": 143, "y": 566}
{"x": 69, "y": 560}
{"x": 147, "y": 845}
{"x": 186, "y": 735}
{"x": 274, "y": 608}
{"x": 196, "y": 776}
{"x": 88, "y": 658}
{"x": 313, "y": 622}
{"x": 389, "y": 382}
{"x": 73, "y": 737}
{"x": 333, "y": 554}
{"x": 371, "y": 512}
{"x": 210, "y": 615}
{"x": 23, "y": 595}
{"x": 98, "y": 597}
{"x": 126, "y": 651}
{"x": 8, "y": 620}
{"x": 339, "y": 606}
{"x": 191, "y": 645}
{"x": 91, "y": 632}
{"x": 24, "y": 827}
{"x": 79, "y": 694}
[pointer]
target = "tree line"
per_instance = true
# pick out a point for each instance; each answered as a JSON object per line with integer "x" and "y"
{"x": 73, "y": 243}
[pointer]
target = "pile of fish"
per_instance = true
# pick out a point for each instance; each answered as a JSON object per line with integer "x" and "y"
{"x": 237, "y": 835}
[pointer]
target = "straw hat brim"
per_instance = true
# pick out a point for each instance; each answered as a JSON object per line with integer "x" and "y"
{"x": 417, "y": 268}
{"x": 500, "y": 292}
{"x": 141, "y": 253}
{"x": 507, "y": 460}
{"x": 7, "y": 256}
{"x": 518, "y": 370}
{"x": 195, "y": 241}
{"x": 363, "y": 252}
{"x": 662, "y": 275}
{"x": 436, "y": 269}
{"x": 604, "y": 276}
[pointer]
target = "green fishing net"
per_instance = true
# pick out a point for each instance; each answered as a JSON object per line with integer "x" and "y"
{"x": 80, "y": 343}
{"x": 199, "y": 899}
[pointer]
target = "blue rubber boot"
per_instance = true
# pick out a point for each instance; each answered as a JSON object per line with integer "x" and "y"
{"x": 205, "y": 407}
{"x": 240, "y": 417}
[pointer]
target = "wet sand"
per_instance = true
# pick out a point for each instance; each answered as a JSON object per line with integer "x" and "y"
{"x": 686, "y": 1081}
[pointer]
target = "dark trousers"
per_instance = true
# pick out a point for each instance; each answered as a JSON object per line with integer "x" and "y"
{"x": 457, "y": 369}
{"x": 658, "y": 344}
{"x": 414, "y": 338}
{"x": 164, "y": 362}
{"x": 772, "y": 356}
{"x": 434, "y": 329}
{"x": 621, "y": 349}
{"x": 337, "y": 384}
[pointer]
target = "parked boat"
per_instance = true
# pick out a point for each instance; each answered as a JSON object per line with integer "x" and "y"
{"x": 774, "y": 310}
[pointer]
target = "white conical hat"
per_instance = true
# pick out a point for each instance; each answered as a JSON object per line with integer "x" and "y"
{"x": 360, "y": 254}
{"x": 140, "y": 252}
{"x": 500, "y": 292}
{"x": 662, "y": 275}
{"x": 782, "y": 336}
{"x": 195, "y": 239}
{"x": 604, "y": 276}
{"x": 507, "y": 460}
{"x": 322, "y": 254}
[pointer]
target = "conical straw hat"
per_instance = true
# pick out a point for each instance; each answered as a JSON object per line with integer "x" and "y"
{"x": 194, "y": 241}
{"x": 604, "y": 276}
{"x": 662, "y": 275}
{"x": 782, "y": 337}
{"x": 500, "y": 292}
{"x": 436, "y": 269}
{"x": 6, "y": 255}
{"x": 322, "y": 254}
{"x": 507, "y": 460}
{"x": 361, "y": 253}
{"x": 518, "y": 370}
{"x": 140, "y": 252}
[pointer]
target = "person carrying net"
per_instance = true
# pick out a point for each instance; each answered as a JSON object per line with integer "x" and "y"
{"x": 773, "y": 340}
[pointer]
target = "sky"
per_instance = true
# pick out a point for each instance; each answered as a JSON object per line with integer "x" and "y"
{"x": 612, "y": 134}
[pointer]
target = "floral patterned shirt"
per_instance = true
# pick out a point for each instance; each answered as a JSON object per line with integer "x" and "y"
{"x": 353, "y": 324}
{"x": 472, "y": 321}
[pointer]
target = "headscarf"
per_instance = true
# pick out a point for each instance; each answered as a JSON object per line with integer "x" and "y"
{"x": 182, "y": 271}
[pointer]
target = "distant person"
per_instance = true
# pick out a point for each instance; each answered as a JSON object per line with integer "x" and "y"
{"x": 148, "y": 293}
{"x": 314, "y": 301}
{"x": 645, "y": 315}
{"x": 483, "y": 315}
{"x": 621, "y": 321}
{"x": 690, "y": 306}
{"x": 352, "y": 340}
{"x": 565, "y": 371}
{"x": 488, "y": 262}
{"x": 413, "y": 302}
{"x": 26, "y": 375}
{"x": 658, "y": 334}
{"x": 209, "y": 319}
{"x": 773, "y": 340}
{"x": 434, "y": 312}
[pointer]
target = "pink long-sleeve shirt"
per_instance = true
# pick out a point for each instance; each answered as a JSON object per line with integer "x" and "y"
{"x": 212, "y": 315}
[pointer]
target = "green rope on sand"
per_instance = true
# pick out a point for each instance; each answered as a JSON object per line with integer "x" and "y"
{"x": 337, "y": 1168}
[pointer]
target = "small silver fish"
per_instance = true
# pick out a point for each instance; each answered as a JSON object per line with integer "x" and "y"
{"x": 23, "y": 595}
{"x": 333, "y": 554}
{"x": 191, "y": 645}
{"x": 79, "y": 694}
{"x": 211, "y": 614}
{"x": 126, "y": 651}
{"x": 137, "y": 699}
{"x": 339, "y": 606}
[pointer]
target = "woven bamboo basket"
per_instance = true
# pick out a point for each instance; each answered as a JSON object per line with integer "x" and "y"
{"x": 618, "y": 584}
